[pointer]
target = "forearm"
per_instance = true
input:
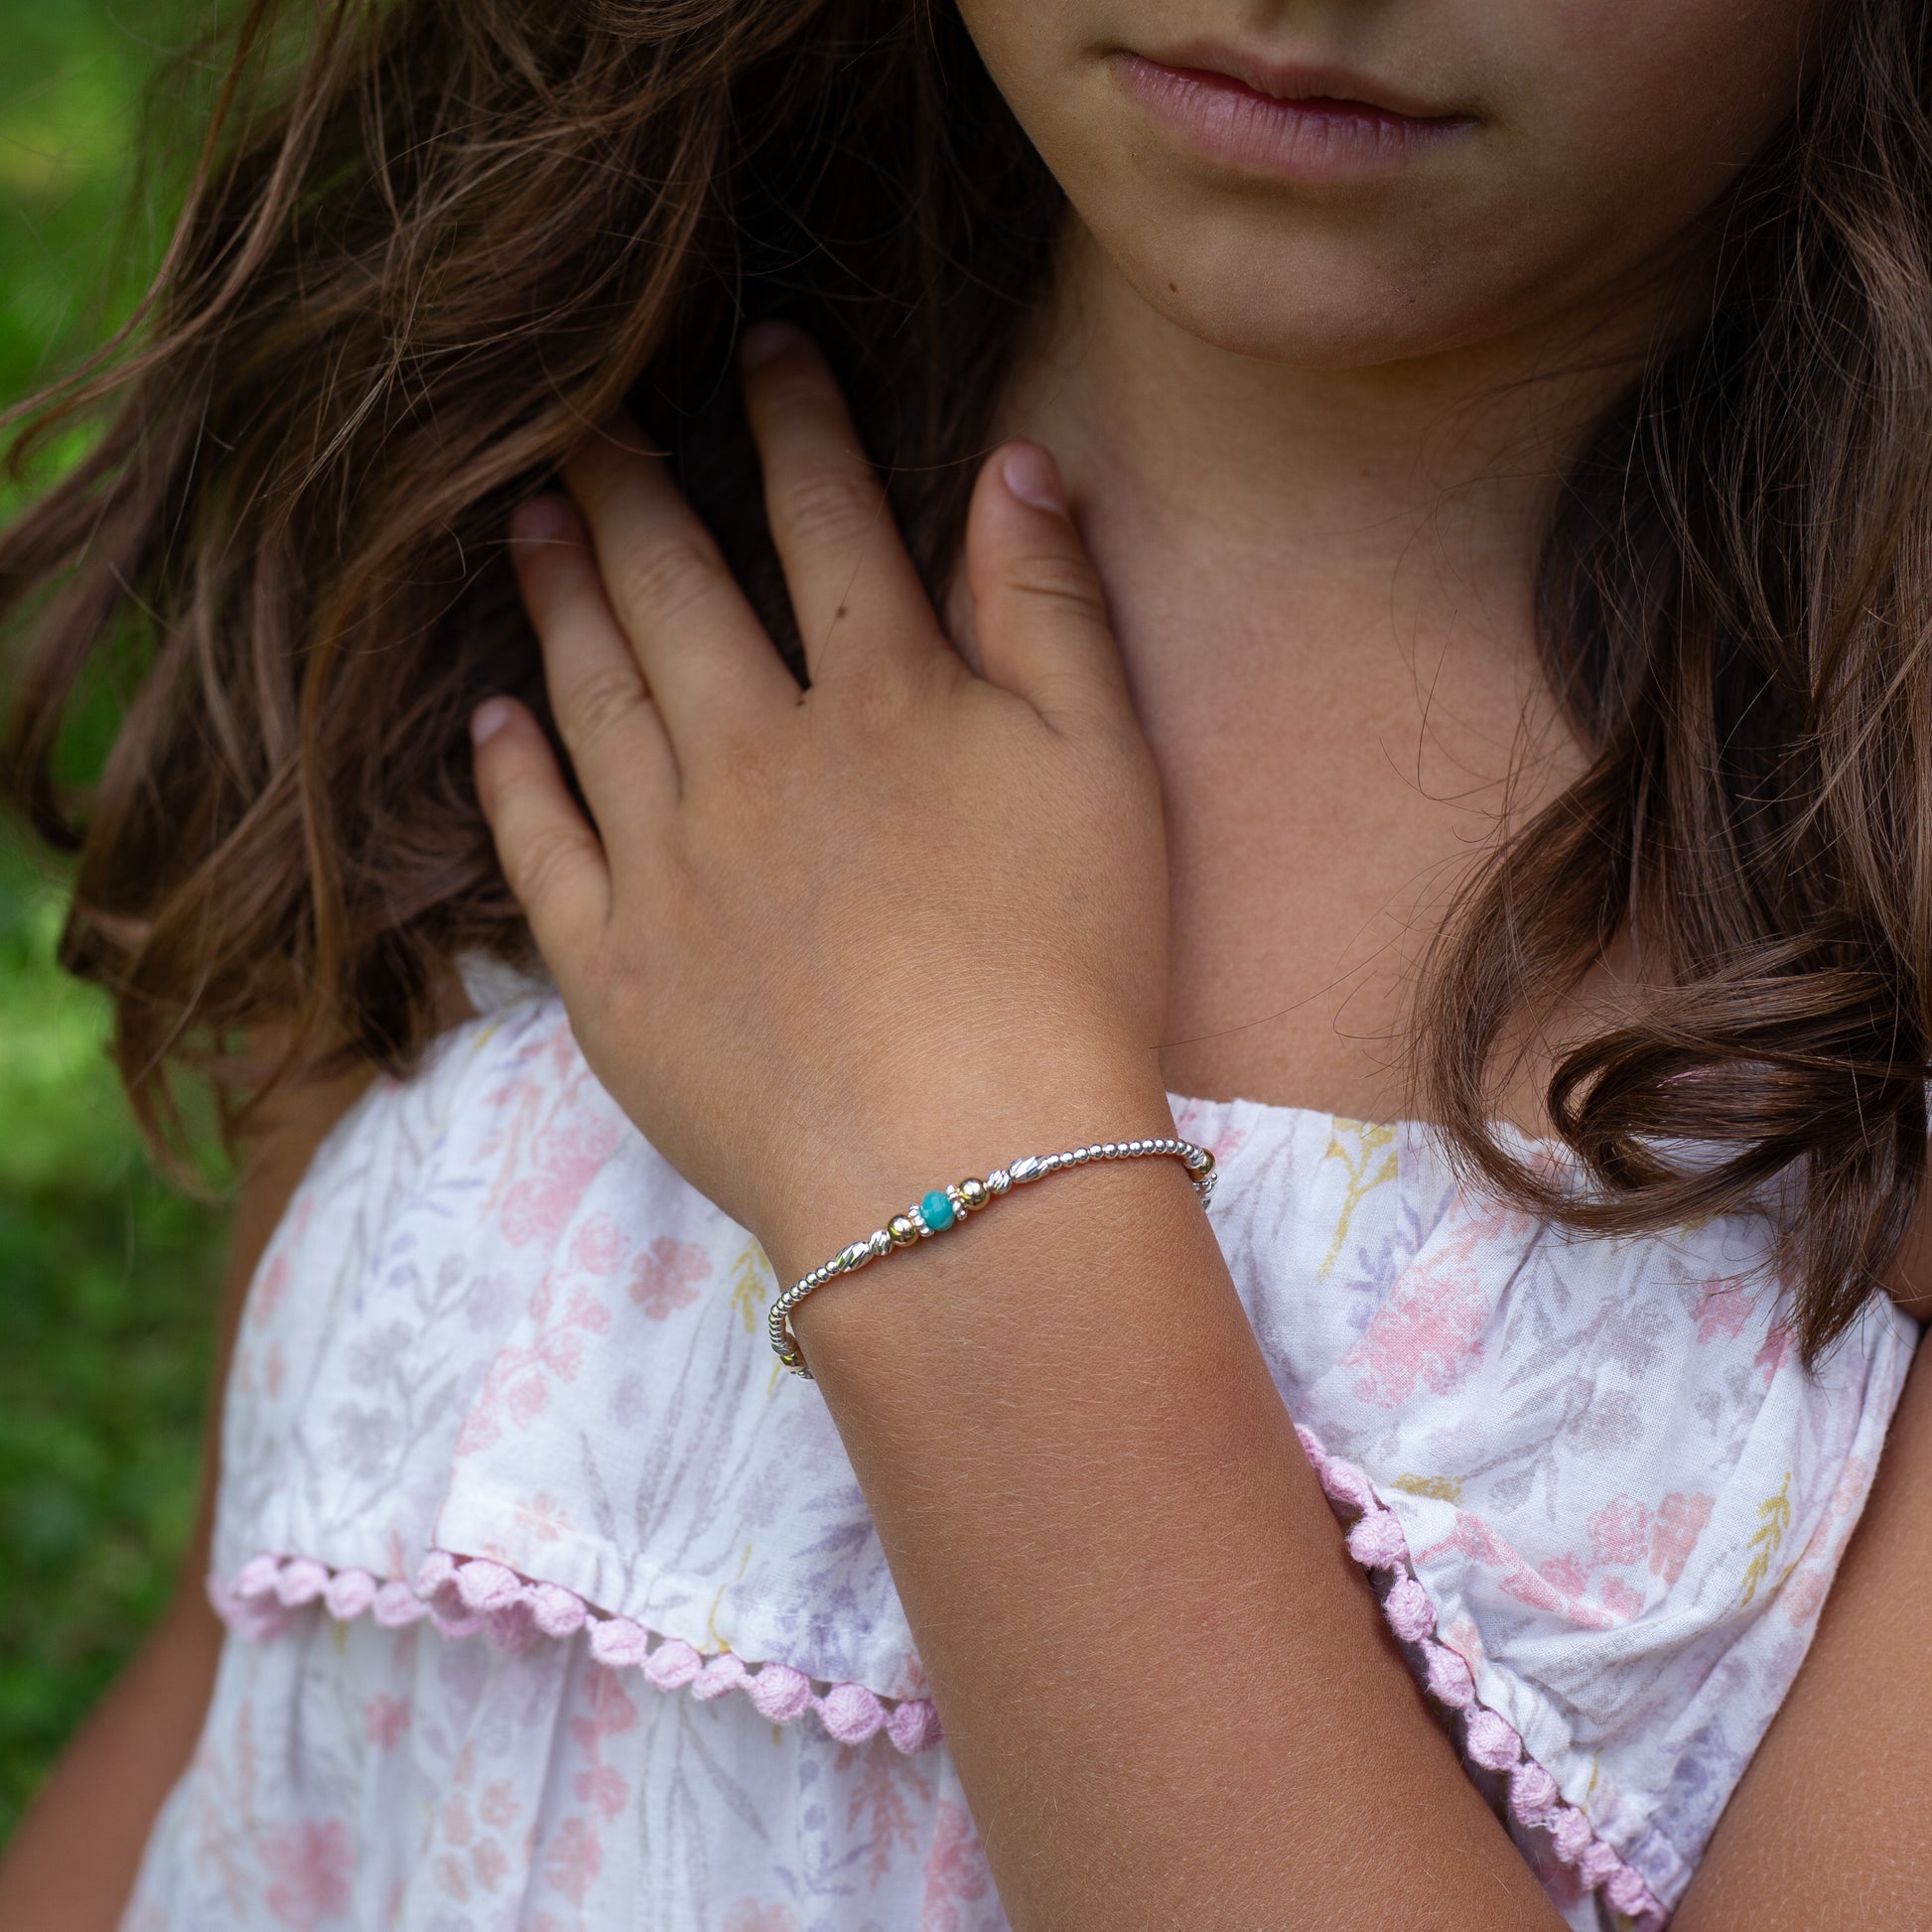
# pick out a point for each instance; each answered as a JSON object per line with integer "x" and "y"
{"x": 1157, "y": 1664}
{"x": 72, "y": 1863}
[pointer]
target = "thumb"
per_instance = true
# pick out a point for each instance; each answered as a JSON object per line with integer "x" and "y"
{"x": 1040, "y": 617}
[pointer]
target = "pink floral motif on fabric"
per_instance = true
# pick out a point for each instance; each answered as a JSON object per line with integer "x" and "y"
{"x": 308, "y": 1871}
{"x": 1429, "y": 1332}
{"x": 666, "y": 1277}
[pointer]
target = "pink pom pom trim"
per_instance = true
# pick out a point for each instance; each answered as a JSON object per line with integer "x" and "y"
{"x": 472, "y": 1595}
{"x": 464, "y": 1596}
{"x": 1376, "y": 1541}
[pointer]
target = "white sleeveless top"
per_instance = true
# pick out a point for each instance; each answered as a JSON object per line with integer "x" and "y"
{"x": 554, "y": 1602}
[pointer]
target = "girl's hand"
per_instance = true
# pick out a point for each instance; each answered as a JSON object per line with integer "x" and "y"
{"x": 829, "y": 948}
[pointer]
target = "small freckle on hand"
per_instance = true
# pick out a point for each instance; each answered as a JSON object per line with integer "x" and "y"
{"x": 841, "y": 610}
{"x": 1174, "y": 288}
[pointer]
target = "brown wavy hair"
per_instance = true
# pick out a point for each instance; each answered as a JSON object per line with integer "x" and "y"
{"x": 416, "y": 261}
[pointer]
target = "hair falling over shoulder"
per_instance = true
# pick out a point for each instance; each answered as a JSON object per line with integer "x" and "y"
{"x": 418, "y": 259}
{"x": 426, "y": 248}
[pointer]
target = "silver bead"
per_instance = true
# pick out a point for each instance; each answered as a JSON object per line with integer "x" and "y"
{"x": 998, "y": 1181}
{"x": 855, "y": 1255}
{"x": 881, "y": 1242}
{"x": 1029, "y": 1167}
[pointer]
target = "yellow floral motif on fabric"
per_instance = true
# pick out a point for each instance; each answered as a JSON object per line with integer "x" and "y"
{"x": 1367, "y": 1151}
{"x": 712, "y": 1641}
{"x": 1773, "y": 1519}
{"x": 1442, "y": 1490}
{"x": 752, "y": 1285}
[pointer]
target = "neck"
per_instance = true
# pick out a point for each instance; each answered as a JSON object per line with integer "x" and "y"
{"x": 1321, "y": 583}
{"x": 1341, "y": 480}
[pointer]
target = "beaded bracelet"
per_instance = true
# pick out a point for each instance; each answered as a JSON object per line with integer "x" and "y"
{"x": 943, "y": 1207}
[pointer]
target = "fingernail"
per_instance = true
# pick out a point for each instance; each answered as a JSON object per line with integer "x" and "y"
{"x": 765, "y": 342}
{"x": 541, "y": 520}
{"x": 1034, "y": 477}
{"x": 489, "y": 719}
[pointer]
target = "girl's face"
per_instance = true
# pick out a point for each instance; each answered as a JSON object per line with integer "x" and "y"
{"x": 1349, "y": 182}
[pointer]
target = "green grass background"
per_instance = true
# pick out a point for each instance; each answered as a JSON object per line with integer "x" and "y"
{"x": 108, "y": 1278}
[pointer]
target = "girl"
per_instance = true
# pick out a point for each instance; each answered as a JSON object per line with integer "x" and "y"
{"x": 1473, "y": 613}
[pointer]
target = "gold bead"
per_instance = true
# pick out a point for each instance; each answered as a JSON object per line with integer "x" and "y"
{"x": 974, "y": 1194}
{"x": 903, "y": 1230}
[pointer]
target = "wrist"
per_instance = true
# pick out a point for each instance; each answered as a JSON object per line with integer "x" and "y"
{"x": 1087, "y": 1232}
{"x": 901, "y": 1152}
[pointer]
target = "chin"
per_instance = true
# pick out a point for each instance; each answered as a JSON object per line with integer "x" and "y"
{"x": 1318, "y": 308}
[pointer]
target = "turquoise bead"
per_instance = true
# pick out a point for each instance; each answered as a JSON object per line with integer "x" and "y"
{"x": 935, "y": 1210}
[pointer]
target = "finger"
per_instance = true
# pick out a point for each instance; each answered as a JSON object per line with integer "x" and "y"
{"x": 549, "y": 854}
{"x": 705, "y": 655}
{"x": 858, "y": 600}
{"x": 1040, "y": 617}
{"x": 604, "y": 714}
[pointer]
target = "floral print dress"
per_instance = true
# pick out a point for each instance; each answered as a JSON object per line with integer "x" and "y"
{"x": 555, "y": 1606}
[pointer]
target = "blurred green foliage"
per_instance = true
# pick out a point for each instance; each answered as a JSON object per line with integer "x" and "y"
{"x": 108, "y": 1279}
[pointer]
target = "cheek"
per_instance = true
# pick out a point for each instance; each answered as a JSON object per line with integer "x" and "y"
{"x": 1607, "y": 126}
{"x": 1664, "y": 99}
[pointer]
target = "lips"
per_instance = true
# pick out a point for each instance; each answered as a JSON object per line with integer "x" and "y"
{"x": 1300, "y": 81}
{"x": 1288, "y": 119}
